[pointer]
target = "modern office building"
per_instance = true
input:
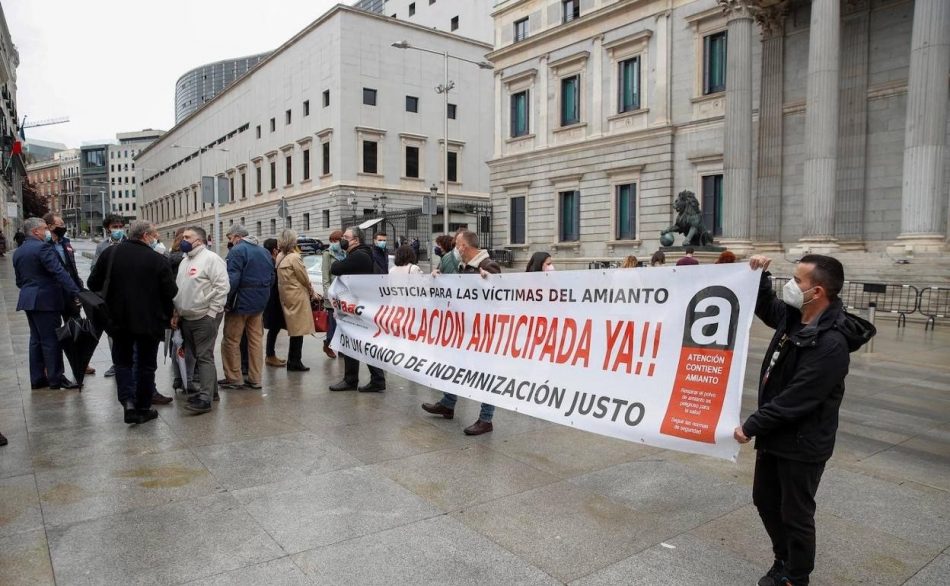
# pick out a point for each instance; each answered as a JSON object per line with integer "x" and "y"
{"x": 798, "y": 125}
{"x": 376, "y": 6}
{"x": 122, "y": 175}
{"x": 336, "y": 122}
{"x": 93, "y": 197}
{"x": 12, "y": 169}
{"x": 200, "y": 85}
{"x": 471, "y": 18}
{"x": 41, "y": 150}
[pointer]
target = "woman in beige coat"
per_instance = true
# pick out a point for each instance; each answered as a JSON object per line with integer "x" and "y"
{"x": 295, "y": 295}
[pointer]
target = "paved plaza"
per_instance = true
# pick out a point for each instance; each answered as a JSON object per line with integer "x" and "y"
{"x": 293, "y": 484}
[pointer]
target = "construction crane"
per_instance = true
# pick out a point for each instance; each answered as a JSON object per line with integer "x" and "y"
{"x": 47, "y": 122}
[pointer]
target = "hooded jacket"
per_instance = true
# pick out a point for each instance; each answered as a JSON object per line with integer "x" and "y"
{"x": 797, "y": 415}
{"x": 250, "y": 274}
{"x": 481, "y": 261}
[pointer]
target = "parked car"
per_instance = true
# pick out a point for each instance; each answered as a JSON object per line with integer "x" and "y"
{"x": 314, "y": 264}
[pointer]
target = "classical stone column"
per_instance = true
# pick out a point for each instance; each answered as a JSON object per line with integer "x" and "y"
{"x": 852, "y": 126}
{"x": 596, "y": 110}
{"x": 923, "y": 228}
{"x": 768, "y": 198}
{"x": 737, "y": 128}
{"x": 659, "y": 107}
{"x": 821, "y": 127}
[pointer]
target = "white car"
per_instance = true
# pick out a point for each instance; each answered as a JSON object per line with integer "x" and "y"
{"x": 314, "y": 264}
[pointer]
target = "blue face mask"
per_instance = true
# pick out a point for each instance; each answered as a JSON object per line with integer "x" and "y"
{"x": 335, "y": 247}
{"x": 185, "y": 246}
{"x": 118, "y": 234}
{"x": 47, "y": 236}
{"x": 381, "y": 244}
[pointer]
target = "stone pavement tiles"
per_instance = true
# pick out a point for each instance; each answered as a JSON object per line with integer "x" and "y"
{"x": 293, "y": 484}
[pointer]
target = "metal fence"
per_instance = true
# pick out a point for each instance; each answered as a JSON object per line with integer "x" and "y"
{"x": 934, "y": 302}
{"x": 408, "y": 224}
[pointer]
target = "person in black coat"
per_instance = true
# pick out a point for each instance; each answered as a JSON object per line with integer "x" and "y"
{"x": 380, "y": 255}
{"x": 358, "y": 261}
{"x": 274, "y": 320}
{"x": 800, "y": 392}
{"x": 139, "y": 297}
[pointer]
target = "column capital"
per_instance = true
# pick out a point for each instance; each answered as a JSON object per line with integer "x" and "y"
{"x": 772, "y": 20}
{"x": 739, "y": 9}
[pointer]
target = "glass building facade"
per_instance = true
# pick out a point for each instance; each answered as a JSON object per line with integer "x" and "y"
{"x": 202, "y": 84}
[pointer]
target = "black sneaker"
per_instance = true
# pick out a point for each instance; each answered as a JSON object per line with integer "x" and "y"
{"x": 198, "y": 405}
{"x": 110, "y": 372}
{"x": 248, "y": 384}
{"x": 775, "y": 576}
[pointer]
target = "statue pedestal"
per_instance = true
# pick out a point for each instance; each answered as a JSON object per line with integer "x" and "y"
{"x": 704, "y": 254}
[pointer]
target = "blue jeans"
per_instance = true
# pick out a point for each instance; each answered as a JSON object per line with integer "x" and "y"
{"x": 485, "y": 414}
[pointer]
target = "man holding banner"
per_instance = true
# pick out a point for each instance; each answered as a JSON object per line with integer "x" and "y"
{"x": 474, "y": 261}
{"x": 800, "y": 392}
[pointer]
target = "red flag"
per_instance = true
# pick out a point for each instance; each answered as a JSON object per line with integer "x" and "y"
{"x": 17, "y": 148}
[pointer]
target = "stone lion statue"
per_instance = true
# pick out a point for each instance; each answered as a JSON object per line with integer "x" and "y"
{"x": 689, "y": 221}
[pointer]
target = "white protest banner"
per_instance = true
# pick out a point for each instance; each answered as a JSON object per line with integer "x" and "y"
{"x": 655, "y": 355}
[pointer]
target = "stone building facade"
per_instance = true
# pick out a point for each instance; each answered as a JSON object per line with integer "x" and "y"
{"x": 44, "y": 176}
{"x": 798, "y": 125}
{"x": 329, "y": 121}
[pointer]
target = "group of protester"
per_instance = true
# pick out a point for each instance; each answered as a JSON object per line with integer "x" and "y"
{"x": 192, "y": 289}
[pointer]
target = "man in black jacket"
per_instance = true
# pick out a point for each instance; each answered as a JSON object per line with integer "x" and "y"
{"x": 139, "y": 297}
{"x": 800, "y": 392}
{"x": 358, "y": 261}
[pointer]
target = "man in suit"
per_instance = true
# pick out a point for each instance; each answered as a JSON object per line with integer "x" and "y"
{"x": 45, "y": 287}
{"x": 140, "y": 307}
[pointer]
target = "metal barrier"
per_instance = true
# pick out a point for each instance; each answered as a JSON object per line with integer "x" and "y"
{"x": 934, "y": 302}
{"x": 502, "y": 256}
{"x": 889, "y": 298}
{"x": 604, "y": 264}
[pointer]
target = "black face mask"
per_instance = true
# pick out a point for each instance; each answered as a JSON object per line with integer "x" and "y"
{"x": 230, "y": 245}
{"x": 60, "y": 231}
{"x": 344, "y": 244}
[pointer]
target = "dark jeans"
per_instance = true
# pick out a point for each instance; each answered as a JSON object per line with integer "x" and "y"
{"x": 295, "y": 352}
{"x": 331, "y": 328}
{"x": 134, "y": 386}
{"x": 46, "y": 357}
{"x": 271, "y": 349}
{"x": 784, "y": 493}
{"x": 351, "y": 372}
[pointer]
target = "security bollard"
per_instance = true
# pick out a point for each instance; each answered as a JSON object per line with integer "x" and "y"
{"x": 872, "y": 311}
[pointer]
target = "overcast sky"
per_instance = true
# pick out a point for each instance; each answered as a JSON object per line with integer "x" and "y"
{"x": 111, "y": 65}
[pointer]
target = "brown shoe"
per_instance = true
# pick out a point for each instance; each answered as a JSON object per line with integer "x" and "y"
{"x": 90, "y": 370}
{"x": 160, "y": 399}
{"x": 274, "y": 361}
{"x": 329, "y": 352}
{"x": 438, "y": 409}
{"x": 478, "y": 428}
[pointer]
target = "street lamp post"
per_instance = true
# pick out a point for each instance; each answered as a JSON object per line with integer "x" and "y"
{"x": 217, "y": 218}
{"x": 444, "y": 88}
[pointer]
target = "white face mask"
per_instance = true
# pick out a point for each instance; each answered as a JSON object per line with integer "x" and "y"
{"x": 159, "y": 248}
{"x": 457, "y": 254}
{"x": 548, "y": 268}
{"x": 793, "y": 296}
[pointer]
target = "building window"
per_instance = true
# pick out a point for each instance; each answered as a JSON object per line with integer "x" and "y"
{"x": 290, "y": 222}
{"x": 369, "y": 156}
{"x": 326, "y": 158}
{"x": 326, "y": 218}
{"x": 258, "y": 131}
{"x": 412, "y": 9}
{"x": 454, "y": 25}
{"x": 517, "y": 235}
{"x": 306, "y": 222}
{"x": 259, "y": 233}
{"x": 570, "y": 100}
{"x": 273, "y": 174}
{"x": 412, "y": 104}
{"x": 273, "y": 124}
{"x": 519, "y": 114}
{"x": 306, "y": 164}
{"x": 257, "y": 179}
{"x": 626, "y": 211}
{"x": 326, "y": 98}
{"x": 714, "y": 63}
{"x": 231, "y": 186}
{"x": 369, "y": 97}
{"x": 451, "y": 111}
{"x": 571, "y": 9}
{"x": 629, "y": 85}
{"x": 712, "y": 204}
{"x": 273, "y": 225}
{"x": 289, "y": 169}
{"x": 287, "y": 117}
{"x": 452, "y": 166}
{"x": 412, "y": 162}
{"x": 243, "y": 185}
{"x": 521, "y": 29}
{"x": 306, "y": 107}
{"x": 569, "y": 203}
